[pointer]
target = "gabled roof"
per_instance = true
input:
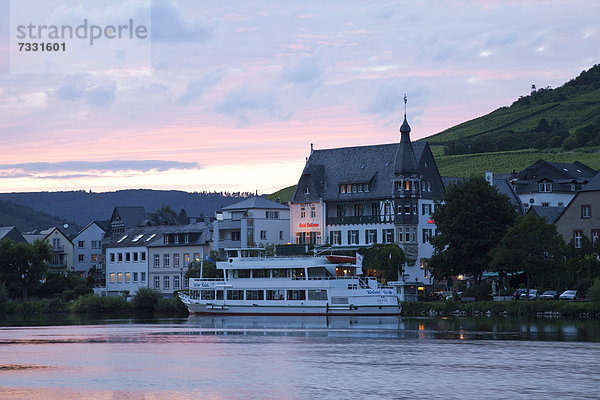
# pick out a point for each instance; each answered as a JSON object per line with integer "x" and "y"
{"x": 558, "y": 173}
{"x": 503, "y": 186}
{"x": 11, "y": 232}
{"x": 131, "y": 216}
{"x": 327, "y": 169}
{"x": 255, "y": 202}
{"x": 593, "y": 185}
{"x": 101, "y": 224}
{"x": 549, "y": 213}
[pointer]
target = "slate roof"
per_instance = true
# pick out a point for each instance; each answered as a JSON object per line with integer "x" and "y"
{"x": 593, "y": 185}
{"x": 549, "y": 213}
{"x": 255, "y": 202}
{"x": 152, "y": 236}
{"x": 562, "y": 175}
{"x": 131, "y": 216}
{"x": 11, "y": 232}
{"x": 326, "y": 169}
{"x": 502, "y": 185}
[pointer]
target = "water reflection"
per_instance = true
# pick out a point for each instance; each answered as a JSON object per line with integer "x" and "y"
{"x": 300, "y": 357}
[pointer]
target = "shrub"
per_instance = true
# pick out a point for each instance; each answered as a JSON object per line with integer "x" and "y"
{"x": 594, "y": 292}
{"x": 146, "y": 300}
{"x": 4, "y": 300}
{"x": 96, "y": 304}
{"x": 481, "y": 292}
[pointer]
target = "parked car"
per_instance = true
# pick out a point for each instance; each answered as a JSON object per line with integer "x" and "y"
{"x": 569, "y": 295}
{"x": 517, "y": 294}
{"x": 549, "y": 295}
{"x": 533, "y": 294}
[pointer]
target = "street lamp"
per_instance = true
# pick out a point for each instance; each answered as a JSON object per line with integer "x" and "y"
{"x": 181, "y": 280}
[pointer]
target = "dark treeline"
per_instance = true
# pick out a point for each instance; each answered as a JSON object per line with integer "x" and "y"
{"x": 82, "y": 207}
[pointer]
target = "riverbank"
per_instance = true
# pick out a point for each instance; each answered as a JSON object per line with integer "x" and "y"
{"x": 147, "y": 302}
{"x": 547, "y": 308}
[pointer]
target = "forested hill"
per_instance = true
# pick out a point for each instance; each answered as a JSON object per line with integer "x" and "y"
{"x": 25, "y": 218}
{"x": 563, "y": 119}
{"x": 82, "y": 207}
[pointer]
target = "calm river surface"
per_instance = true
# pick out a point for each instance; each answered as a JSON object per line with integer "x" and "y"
{"x": 300, "y": 358}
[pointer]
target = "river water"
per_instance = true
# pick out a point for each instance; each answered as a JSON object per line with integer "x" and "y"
{"x": 300, "y": 358}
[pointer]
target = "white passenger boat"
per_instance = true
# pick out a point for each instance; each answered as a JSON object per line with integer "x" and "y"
{"x": 255, "y": 284}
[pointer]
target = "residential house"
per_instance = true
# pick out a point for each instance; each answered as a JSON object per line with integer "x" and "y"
{"x": 550, "y": 183}
{"x": 255, "y": 221}
{"x": 127, "y": 259}
{"x": 581, "y": 218}
{"x": 171, "y": 252}
{"x": 87, "y": 253}
{"x": 60, "y": 246}
{"x": 355, "y": 197}
{"x": 11, "y": 232}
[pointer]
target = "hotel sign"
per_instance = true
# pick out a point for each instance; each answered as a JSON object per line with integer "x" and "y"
{"x": 309, "y": 225}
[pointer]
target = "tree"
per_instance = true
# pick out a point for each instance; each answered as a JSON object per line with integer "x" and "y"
{"x": 209, "y": 270}
{"x": 387, "y": 258}
{"x": 470, "y": 221}
{"x": 23, "y": 265}
{"x": 531, "y": 246}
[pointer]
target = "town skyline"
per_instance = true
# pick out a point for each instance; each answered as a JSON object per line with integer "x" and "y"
{"x": 234, "y": 97}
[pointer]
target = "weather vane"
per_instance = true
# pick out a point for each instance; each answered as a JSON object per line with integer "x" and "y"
{"x": 405, "y": 100}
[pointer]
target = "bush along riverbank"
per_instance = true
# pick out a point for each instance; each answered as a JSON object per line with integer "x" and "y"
{"x": 145, "y": 301}
{"x": 543, "y": 308}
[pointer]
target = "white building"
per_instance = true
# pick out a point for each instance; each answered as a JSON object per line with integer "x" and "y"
{"x": 87, "y": 251}
{"x": 127, "y": 259}
{"x": 251, "y": 222}
{"x": 355, "y": 197}
{"x": 172, "y": 251}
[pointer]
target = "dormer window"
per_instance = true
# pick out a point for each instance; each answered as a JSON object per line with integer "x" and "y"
{"x": 306, "y": 190}
{"x": 545, "y": 187}
{"x": 186, "y": 238}
{"x": 572, "y": 187}
{"x": 166, "y": 239}
{"x": 176, "y": 238}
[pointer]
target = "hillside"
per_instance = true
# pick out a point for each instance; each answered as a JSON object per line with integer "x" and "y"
{"x": 25, "y": 218}
{"x": 82, "y": 207}
{"x": 563, "y": 119}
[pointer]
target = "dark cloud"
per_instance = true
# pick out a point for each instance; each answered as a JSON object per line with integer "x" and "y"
{"x": 196, "y": 88}
{"x": 240, "y": 103}
{"x": 82, "y": 87}
{"x": 29, "y": 169}
{"x": 171, "y": 24}
{"x": 305, "y": 70}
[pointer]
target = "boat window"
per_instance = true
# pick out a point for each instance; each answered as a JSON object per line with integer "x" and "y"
{"x": 207, "y": 294}
{"x": 255, "y": 295}
{"x": 280, "y": 273}
{"x": 219, "y": 295}
{"x": 240, "y": 273}
{"x": 298, "y": 273}
{"x": 352, "y": 286}
{"x": 318, "y": 272}
{"x": 235, "y": 295}
{"x": 194, "y": 294}
{"x": 260, "y": 273}
{"x": 296, "y": 294}
{"x": 275, "y": 294}
{"x": 317, "y": 294}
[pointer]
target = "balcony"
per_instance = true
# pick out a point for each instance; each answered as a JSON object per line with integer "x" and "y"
{"x": 58, "y": 249}
{"x": 363, "y": 219}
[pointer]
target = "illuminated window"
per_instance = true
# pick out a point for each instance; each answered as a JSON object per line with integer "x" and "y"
{"x": 176, "y": 259}
{"x": 120, "y": 277}
{"x": 186, "y": 258}
{"x": 197, "y": 257}
{"x": 112, "y": 277}
{"x": 127, "y": 277}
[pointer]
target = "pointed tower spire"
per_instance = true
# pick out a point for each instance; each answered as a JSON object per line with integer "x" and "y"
{"x": 405, "y": 162}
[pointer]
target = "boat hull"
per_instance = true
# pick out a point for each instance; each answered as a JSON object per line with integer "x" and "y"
{"x": 292, "y": 310}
